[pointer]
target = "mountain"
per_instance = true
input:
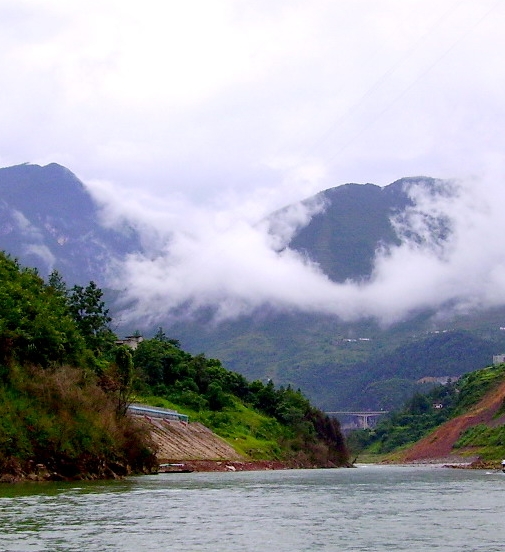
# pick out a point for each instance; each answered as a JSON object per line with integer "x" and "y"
{"x": 344, "y": 237}
{"x": 342, "y": 365}
{"x": 48, "y": 220}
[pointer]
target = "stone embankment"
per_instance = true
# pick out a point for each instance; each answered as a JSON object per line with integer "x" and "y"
{"x": 183, "y": 441}
{"x": 199, "y": 449}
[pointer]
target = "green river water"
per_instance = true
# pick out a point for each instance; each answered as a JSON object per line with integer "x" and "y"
{"x": 370, "y": 508}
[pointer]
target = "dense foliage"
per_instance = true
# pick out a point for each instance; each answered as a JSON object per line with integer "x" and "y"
{"x": 56, "y": 352}
{"x": 217, "y": 396}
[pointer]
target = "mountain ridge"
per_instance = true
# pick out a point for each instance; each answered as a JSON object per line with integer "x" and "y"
{"x": 49, "y": 220}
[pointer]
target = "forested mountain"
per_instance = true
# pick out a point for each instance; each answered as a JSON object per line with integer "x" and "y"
{"x": 344, "y": 237}
{"x": 48, "y": 220}
{"x": 66, "y": 383}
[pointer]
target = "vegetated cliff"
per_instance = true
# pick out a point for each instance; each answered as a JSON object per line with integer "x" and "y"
{"x": 477, "y": 435}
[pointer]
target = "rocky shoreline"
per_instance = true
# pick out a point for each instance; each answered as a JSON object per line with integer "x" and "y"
{"x": 40, "y": 473}
{"x": 247, "y": 465}
{"x": 16, "y": 472}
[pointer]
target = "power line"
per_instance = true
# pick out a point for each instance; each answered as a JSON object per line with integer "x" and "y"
{"x": 390, "y": 71}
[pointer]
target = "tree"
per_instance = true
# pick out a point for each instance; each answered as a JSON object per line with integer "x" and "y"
{"x": 91, "y": 316}
{"x": 160, "y": 335}
{"x": 161, "y": 362}
{"x": 216, "y": 397}
{"x": 56, "y": 282}
{"x": 124, "y": 369}
{"x": 35, "y": 323}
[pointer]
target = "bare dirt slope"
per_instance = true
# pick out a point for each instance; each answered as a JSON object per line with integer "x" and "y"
{"x": 180, "y": 441}
{"x": 438, "y": 445}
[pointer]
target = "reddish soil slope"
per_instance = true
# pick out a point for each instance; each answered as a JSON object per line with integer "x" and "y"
{"x": 438, "y": 445}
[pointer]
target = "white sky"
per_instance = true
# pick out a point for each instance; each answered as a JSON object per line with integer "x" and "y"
{"x": 201, "y": 117}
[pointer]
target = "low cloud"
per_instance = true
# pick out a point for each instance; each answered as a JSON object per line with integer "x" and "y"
{"x": 199, "y": 258}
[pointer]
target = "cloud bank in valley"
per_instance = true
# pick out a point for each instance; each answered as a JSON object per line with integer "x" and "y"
{"x": 227, "y": 261}
{"x": 198, "y": 119}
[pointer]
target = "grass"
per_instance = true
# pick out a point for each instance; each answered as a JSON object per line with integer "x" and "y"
{"x": 250, "y": 433}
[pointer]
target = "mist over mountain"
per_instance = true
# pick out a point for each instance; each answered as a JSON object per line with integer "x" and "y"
{"x": 48, "y": 220}
{"x": 352, "y": 295}
{"x": 354, "y": 222}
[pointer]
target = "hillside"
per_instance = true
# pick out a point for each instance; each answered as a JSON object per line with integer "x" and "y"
{"x": 49, "y": 220}
{"x": 344, "y": 237}
{"x": 459, "y": 421}
{"x": 346, "y": 366}
{"x": 448, "y": 441}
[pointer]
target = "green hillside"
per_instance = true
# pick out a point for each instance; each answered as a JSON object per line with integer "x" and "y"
{"x": 65, "y": 385}
{"x": 343, "y": 238}
{"x": 346, "y": 366}
{"x": 466, "y": 418}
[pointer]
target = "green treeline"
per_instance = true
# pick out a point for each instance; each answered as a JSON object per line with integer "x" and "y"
{"x": 259, "y": 419}
{"x": 424, "y": 412}
{"x": 65, "y": 386}
{"x": 56, "y": 351}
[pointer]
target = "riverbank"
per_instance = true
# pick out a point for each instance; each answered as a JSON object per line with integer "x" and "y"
{"x": 39, "y": 472}
{"x": 231, "y": 466}
{"x": 450, "y": 461}
{"x": 249, "y": 465}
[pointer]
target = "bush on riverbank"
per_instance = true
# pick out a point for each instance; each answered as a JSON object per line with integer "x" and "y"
{"x": 55, "y": 351}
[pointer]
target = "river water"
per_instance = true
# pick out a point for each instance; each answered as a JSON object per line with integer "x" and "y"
{"x": 371, "y": 508}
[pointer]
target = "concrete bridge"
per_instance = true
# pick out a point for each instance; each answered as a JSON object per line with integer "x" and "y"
{"x": 364, "y": 420}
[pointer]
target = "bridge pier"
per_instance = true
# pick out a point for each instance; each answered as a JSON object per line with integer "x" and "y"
{"x": 364, "y": 420}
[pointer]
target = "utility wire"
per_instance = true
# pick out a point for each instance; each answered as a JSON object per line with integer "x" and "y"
{"x": 383, "y": 78}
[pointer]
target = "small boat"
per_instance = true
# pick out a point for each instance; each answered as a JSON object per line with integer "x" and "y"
{"x": 174, "y": 468}
{"x": 503, "y": 466}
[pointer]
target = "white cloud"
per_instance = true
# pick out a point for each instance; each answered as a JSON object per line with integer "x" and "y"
{"x": 228, "y": 263}
{"x": 202, "y": 96}
{"x": 200, "y": 118}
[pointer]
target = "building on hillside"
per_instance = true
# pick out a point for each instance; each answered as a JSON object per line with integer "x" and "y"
{"x": 498, "y": 359}
{"x": 131, "y": 341}
{"x": 443, "y": 380}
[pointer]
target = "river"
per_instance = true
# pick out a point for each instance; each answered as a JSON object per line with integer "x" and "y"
{"x": 370, "y": 508}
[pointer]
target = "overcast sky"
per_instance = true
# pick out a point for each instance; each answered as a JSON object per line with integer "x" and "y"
{"x": 197, "y": 118}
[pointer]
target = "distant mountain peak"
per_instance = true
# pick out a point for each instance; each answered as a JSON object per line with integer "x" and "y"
{"x": 49, "y": 220}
